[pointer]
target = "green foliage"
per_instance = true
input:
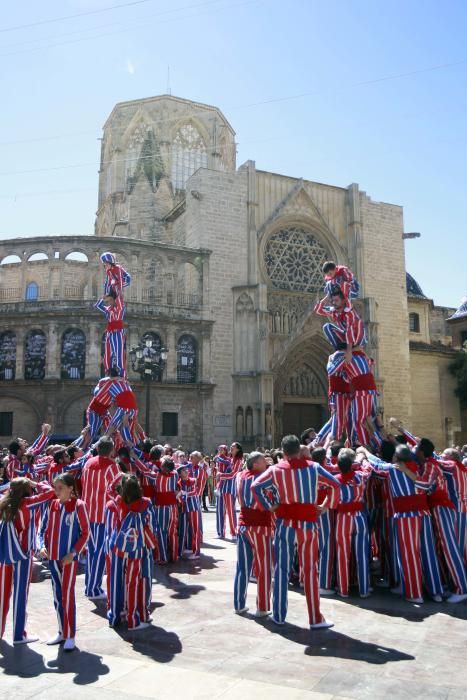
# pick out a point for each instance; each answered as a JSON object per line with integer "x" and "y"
{"x": 458, "y": 369}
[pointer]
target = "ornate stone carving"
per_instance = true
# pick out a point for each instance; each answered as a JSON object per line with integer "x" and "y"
{"x": 303, "y": 382}
{"x": 294, "y": 258}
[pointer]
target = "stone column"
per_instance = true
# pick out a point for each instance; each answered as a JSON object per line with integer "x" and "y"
{"x": 53, "y": 352}
{"x": 93, "y": 356}
{"x": 20, "y": 336}
{"x": 171, "y": 367}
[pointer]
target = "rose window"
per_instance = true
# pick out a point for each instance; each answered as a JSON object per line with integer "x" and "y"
{"x": 294, "y": 259}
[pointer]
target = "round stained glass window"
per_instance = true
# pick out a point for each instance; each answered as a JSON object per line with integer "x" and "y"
{"x": 294, "y": 258}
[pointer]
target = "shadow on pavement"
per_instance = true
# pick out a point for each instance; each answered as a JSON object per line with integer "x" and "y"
{"x": 335, "y": 644}
{"x": 24, "y": 662}
{"x": 155, "y": 642}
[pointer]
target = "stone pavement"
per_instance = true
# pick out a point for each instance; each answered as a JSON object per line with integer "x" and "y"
{"x": 381, "y": 647}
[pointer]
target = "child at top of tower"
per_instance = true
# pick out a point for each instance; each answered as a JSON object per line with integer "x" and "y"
{"x": 116, "y": 278}
{"x": 340, "y": 276}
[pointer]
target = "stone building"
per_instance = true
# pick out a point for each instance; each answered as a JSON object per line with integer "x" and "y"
{"x": 226, "y": 265}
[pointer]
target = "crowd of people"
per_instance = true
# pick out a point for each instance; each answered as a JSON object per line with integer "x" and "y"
{"x": 352, "y": 502}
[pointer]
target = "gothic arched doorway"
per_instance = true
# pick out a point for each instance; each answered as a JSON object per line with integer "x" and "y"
{"x": 300, "y": 390}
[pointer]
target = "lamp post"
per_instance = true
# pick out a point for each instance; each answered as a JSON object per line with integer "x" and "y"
{"x": 149, "y": 363}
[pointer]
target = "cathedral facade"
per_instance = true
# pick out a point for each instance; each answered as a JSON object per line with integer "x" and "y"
{"x": 226, "y": 267}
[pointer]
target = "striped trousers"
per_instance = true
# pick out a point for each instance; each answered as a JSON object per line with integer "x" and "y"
{"x": 326, "y": 543}
{"x": 340, "y": 407}
{"x": 63, "y": 587}
{"x": 253, "y": 552}
{"x": 115, "y": 352}
{"x": 15, "y": 577}
{"x": 361, "y": 408}
{"x": 352, "y": 531}
{"x": 444, "y": 523}
{"x": 285, "y": 539}
{"x": 95, "y": 561}
{"x": 190, "y": 531}
{"x": 336, "y": 336}
{"x": 167, "y": 519}
{"x": 461, "y": 530}
{"x": 225, "y": 508}
{"x": 416, "y": 549}
{"x": 126, "y": 589}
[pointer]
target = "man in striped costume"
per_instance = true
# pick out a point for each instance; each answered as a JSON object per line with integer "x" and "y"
{"x": 414, "y": 530}
{"x": 165, "y": 500}
{"x": 98, "y": 476}
{"x": 115, "y": 343}
{"x": 455, "y": 473}
{"x": 116, "y": 277}
{"x": 254, "y": 539}
{"x": 17, "y": 448}
{"x": 190, "y": 513}
{"x": 295, "y": 482}
{"x": 347, "y": 330}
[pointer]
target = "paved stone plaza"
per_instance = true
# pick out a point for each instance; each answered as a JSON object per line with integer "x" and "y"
{"x": 382, "y": 647}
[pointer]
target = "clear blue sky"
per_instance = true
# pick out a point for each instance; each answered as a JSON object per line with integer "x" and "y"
{"x": 404, "y": 140}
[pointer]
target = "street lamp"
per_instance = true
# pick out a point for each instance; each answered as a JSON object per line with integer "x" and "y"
{"x": 149, "y": 363}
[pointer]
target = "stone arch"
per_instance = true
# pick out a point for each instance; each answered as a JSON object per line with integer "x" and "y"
{"x": 37, "y": 256}
{"x": 32, "y": 291}
{"x": 27, "y": 415}
{"x": 187, "y": 359}
{"x": 189, "y": 151}
{"x": 291, "y": 254}
{"x": 82, "y": 259}
{"x": 188, "y": 282}
{"x": 10, "y": 259}
{"x": 7, "y": 355}
{"x": 71, "y": 412}
{"x": 300, "y": 383}
{"x": 310, "y": 225}
{"x": 73, "y": 354}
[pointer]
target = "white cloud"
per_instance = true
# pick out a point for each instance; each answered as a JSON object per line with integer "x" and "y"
{"x": 130, "y": 66}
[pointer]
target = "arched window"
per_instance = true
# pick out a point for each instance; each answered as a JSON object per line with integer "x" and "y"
{"x": 73, "y": 358}
{"x": 414, "y": 323}
{"x": 188, "y": 154}
{"x": 32, "y": 291}
{"x": 293, "y": 259}
{"x": 34, "y": 355}
{"x": 7, "y": 355}
{"x": 36, "y": 257}
{"x": 187, "y": 360}
{"x": 151, "y": 355}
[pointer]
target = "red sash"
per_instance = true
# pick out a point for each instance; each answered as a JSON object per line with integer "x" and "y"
{"x": 114, "y": 326}
{"x": 298, "y": 511}
{"x": 98, "y": 407}
{"x": 165, "y": 499}
{"x": 364, "y": 382}
{"x": 404, "y": 504}
{"x": 339, "y": 385}
{"x": 252, "y": 516}
{"x": 352, "y": 507}
{"x": 126, "y": 399}
{"x": 440, "y": 498}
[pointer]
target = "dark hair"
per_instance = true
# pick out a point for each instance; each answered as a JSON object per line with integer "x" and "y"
{"x": 147, "y": 445}
{"x": 403, "y": 454}
{"x": 67, "y": 480}
{"x": 111, "y": 293}
{"x": 168, "y": 462}
{"x": 131, "y": 488}
{"x": 426, "y": 447}
{"x": 277, "y": 456}
{"x": 304, "y": 435}
{"x": 105, "y": 446}
{"x": 387, "y": 450}
{"x": 335, "y": 448}
{"x": 345, "y": 459}
{"x": 72, "y": 450}
{"x": 13, "y": 447}
{"x": 239, "y": 448}
{"x": 319, "y": 455}
{"x": 328, "y": 266}
{"x": 290, "y": 445}
{"x": 59, "y": 455}
{"x": 401, "y": 439}
{"x": 155, "y": 453}
{"x": 115, "y": 372}
{"x": 123, "y": 453}
{"x": 336, "y": 292}
{"x": 10, "y": 504}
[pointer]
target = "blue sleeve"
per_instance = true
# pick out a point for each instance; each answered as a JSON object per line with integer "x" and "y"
{"x": 100, "y": 306}
{"x": 260, "y": 485}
